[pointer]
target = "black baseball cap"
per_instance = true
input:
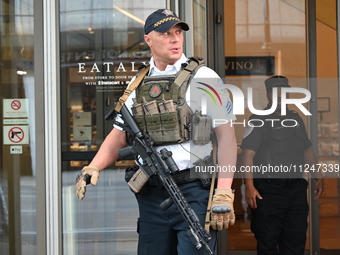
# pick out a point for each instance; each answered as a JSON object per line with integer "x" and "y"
{"x": 162, "y": 21}
{"x": 276, "y": 81}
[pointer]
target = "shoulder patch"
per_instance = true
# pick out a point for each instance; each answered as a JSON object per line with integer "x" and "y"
{"x": 229, "y": 107}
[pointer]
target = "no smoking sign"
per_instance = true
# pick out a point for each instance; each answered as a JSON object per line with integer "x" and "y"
{"x": 16, "y": 105}
{"x": 16, "y": 135}
{"x": 15, "y": 108}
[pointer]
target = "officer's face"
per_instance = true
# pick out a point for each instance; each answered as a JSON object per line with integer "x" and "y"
{"x": 166, "y": 48}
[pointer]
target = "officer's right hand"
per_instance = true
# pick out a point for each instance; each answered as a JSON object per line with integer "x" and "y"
{"x": 89, "y": 174}
{"x": 220, "y": 219}
{"x": 251, "y": 195}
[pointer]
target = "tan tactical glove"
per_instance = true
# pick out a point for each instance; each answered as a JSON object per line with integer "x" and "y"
{"x": 89, "y": 174}
{"x": 222, "y": 209}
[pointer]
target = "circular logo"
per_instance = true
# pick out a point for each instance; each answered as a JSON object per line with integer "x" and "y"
{"x": 155, "y": 90}
{"x": 16, "y": 105}
{"x": 16, "y": 135}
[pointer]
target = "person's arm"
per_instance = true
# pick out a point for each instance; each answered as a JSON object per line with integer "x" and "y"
{"x": 223, "y": 195}
{"x": 108, "y": 152}
{"x": 251, "y": 192}
{"x": 226, "y": 153}
{"x": 310, "y": 160}
{"x": 106, "y": 155}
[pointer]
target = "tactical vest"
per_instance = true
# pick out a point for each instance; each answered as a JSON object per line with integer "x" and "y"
{"x": 282, "y": 146}
{"x": 160, "y": 108}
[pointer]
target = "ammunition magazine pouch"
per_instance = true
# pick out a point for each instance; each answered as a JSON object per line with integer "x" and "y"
{"x": 160, "y": 108}
{"x": 200, "y": 128}
{"x": 167, "y": 127}
{"x": 136, "y": 179}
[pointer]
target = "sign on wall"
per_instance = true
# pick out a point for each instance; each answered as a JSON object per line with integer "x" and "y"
{"x": 251, "y": 65}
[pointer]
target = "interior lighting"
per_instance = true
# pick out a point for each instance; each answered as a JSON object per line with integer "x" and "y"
{"x": 130, "y": 15}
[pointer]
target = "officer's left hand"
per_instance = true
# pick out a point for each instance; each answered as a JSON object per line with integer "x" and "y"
{"x": 222, "y": 198}
{"x": 89, "y": 174}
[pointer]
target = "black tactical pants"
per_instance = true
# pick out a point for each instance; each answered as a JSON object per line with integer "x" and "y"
{"x": 165, "y": 232}
{"x": 280, "y": 220}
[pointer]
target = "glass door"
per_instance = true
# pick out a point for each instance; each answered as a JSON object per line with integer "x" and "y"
{"x": 21, "y": 129}
{"x": 262, "y": 38}
{"x": 102, "y": 47}
{"x": 275, "y": 31}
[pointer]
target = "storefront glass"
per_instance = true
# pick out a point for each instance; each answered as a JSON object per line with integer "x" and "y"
{"x": 262, "y": 38}
{"x": 101, "y": 47}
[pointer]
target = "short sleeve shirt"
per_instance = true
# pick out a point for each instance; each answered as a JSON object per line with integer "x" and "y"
{"x": 219, "y": 106}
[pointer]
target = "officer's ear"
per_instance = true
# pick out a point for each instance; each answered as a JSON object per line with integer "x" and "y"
{"x": 147, "y": 39}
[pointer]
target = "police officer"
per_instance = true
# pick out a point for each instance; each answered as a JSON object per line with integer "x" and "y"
{"x": 277, "y": 197}
{"x": 165, "y": 232}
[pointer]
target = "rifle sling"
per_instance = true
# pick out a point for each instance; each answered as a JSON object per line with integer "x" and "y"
{"x": 212, "y": 185}
{"x": 132, "y": 86}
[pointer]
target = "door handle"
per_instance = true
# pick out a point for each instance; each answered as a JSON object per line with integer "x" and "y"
{"x": 108, "y": 101}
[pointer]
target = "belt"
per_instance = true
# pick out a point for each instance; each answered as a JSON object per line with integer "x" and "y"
{"x": 180, "y": 177}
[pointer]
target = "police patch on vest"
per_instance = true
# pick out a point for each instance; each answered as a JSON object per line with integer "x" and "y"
{"x": 247, "y": 131}
{"x": 155, "y": 90}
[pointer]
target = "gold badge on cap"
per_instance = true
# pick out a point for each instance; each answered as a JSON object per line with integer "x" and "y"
{"x": 168, "y": 12}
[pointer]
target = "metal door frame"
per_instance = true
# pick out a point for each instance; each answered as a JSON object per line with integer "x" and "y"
{"x": 52, "y": 138}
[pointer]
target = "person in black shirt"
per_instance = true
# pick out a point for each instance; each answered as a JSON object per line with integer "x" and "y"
{"x": 276, "y": 148}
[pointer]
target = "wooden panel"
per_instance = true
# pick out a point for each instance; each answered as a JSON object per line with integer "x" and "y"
{"x": 329, "y": 207}
{"x": 330, "y": 188}
{"x": 326, "y": 12}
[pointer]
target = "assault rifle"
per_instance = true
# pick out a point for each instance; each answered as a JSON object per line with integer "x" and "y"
{"x": 160, "y": 164}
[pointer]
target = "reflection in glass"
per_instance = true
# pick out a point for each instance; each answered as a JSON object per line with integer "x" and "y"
{"x": 269, "y": 35}
{"x": 101, "y": 48}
